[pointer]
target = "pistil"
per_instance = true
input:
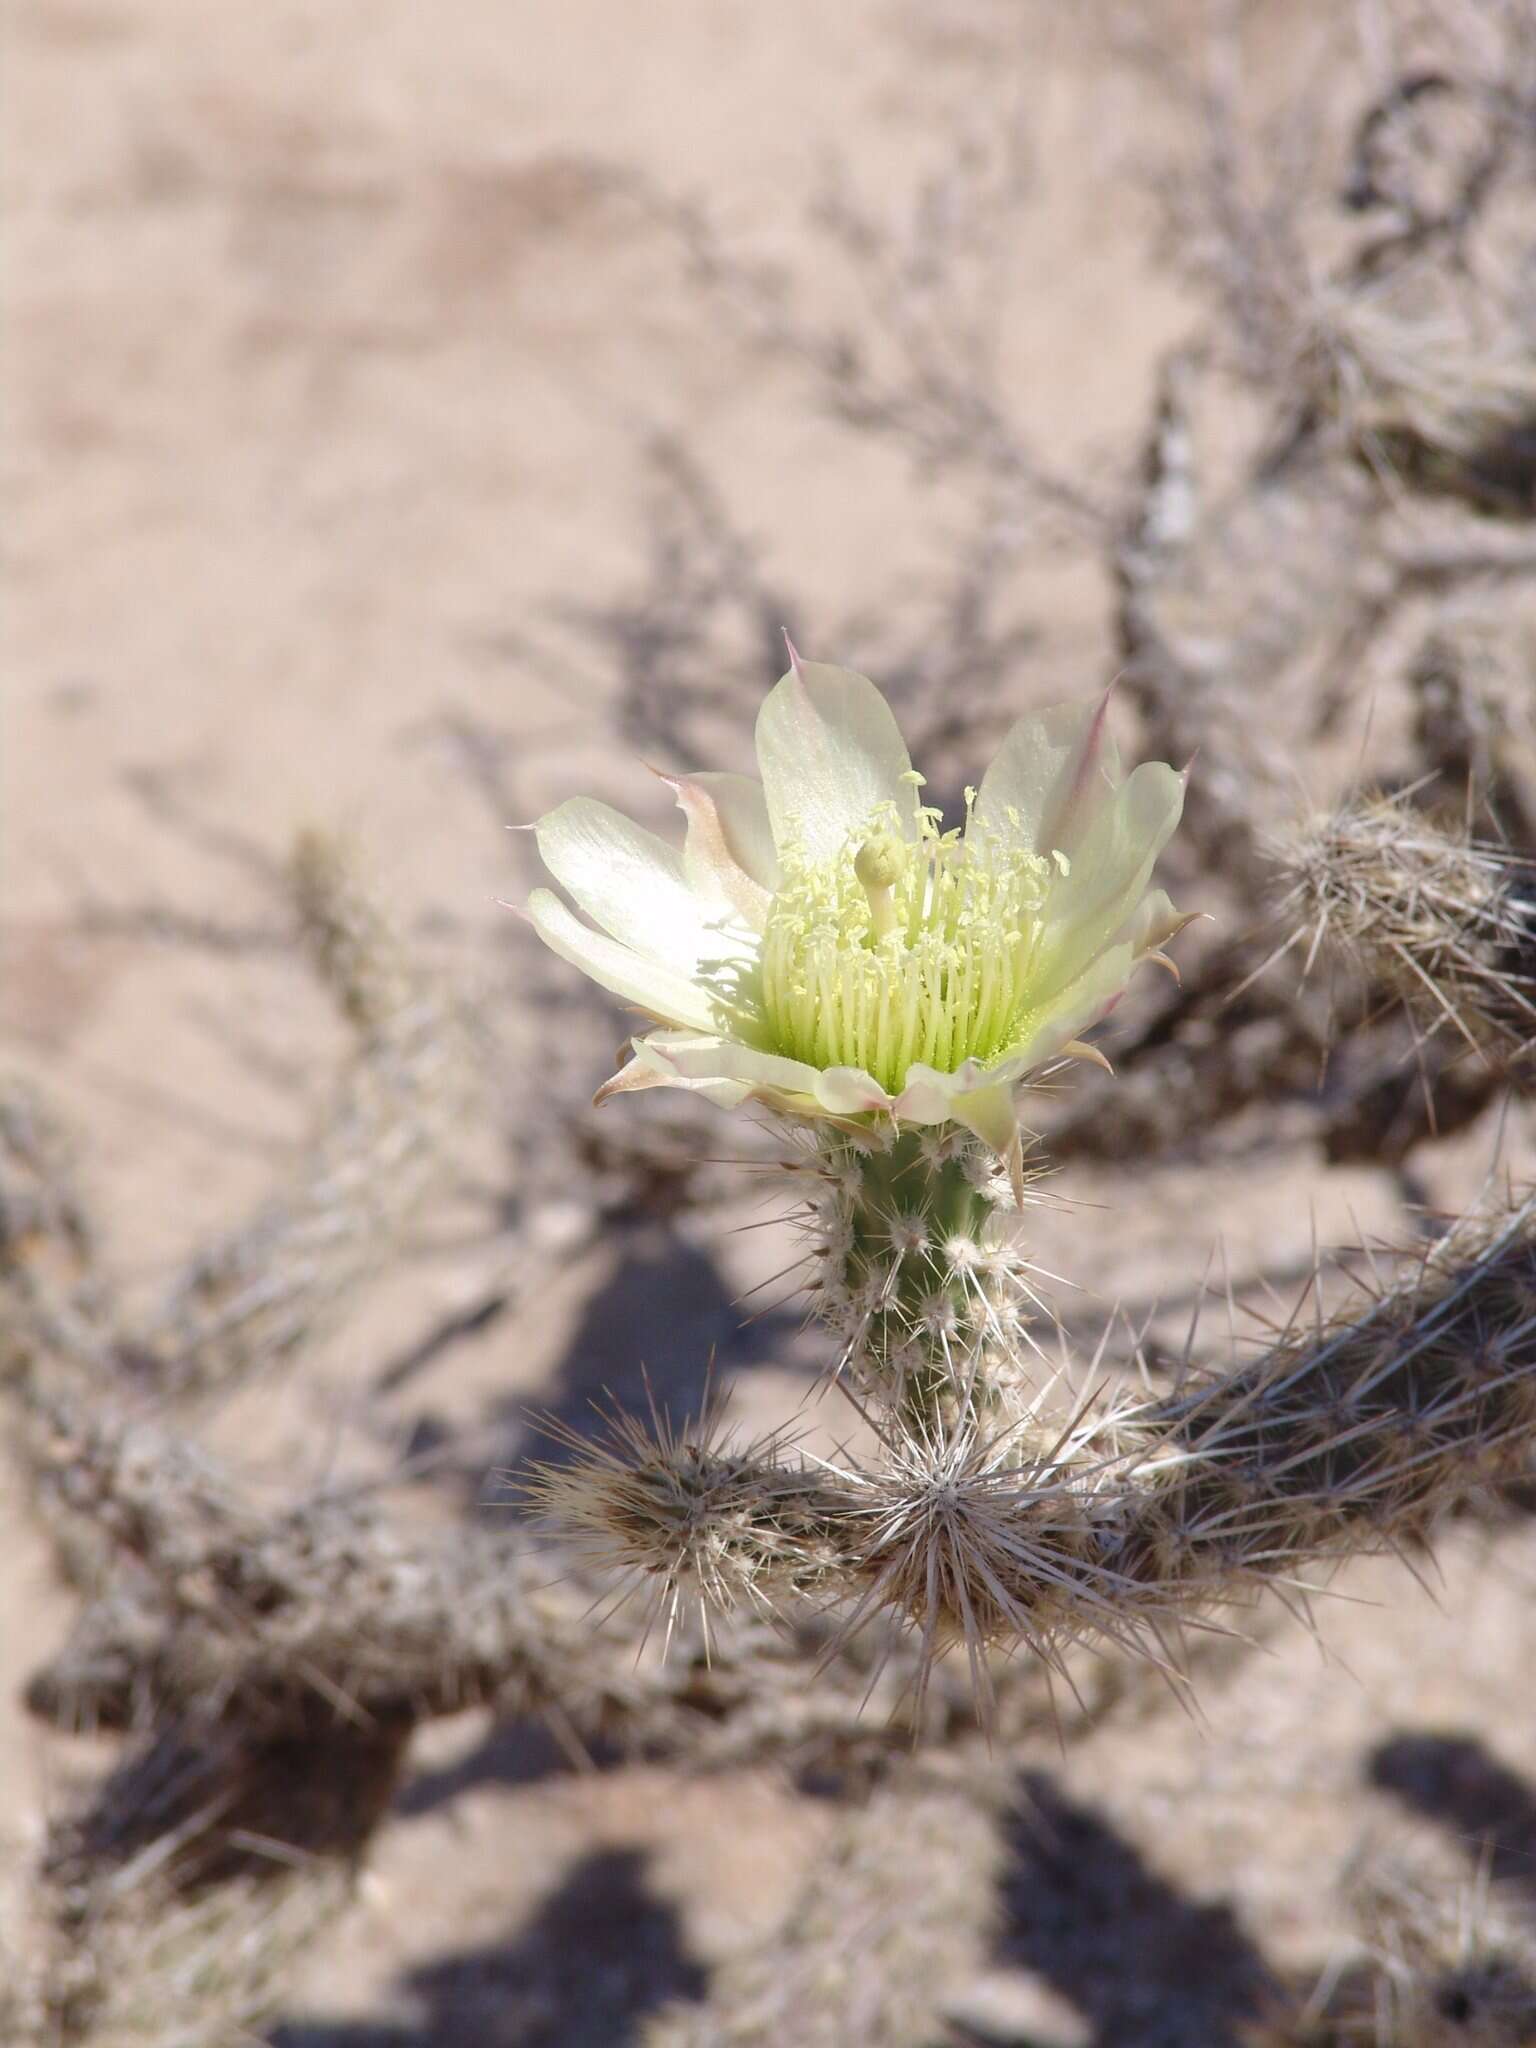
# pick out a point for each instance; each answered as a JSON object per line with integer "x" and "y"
{"x": 879, "y": 865}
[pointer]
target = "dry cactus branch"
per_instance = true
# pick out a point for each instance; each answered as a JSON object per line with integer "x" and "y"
{"x": 135, "y": 1968}
{"x": 207, "y": 1612}
{"x": 254, "y": 1297}
{"x": 1446, "y": 923}
{"x": 202, "y": 1606}
{"x": 1181, "y": 700}
{"x": 227, "y": 1613}
{"x": 1467, "y": 685}
{"x": 172, "y": 1908}
{"x": 1120, "y": 1522}
{"x": 1326, "y": 1061}
{"x": 1436, "y": 1965}
{"x": 241, "y": 1641}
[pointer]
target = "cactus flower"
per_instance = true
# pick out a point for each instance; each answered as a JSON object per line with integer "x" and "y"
{"x": 822, "y": 944}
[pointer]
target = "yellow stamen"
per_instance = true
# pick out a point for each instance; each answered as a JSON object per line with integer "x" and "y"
{"x": 906, "y": 951}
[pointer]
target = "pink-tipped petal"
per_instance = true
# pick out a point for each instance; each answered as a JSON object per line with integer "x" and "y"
{"x": 634, "y": 885}
{"x": 632, "y": 1075}
{"x": 725, "y": 1069}
{"x": 652, "y": 1068}
{"x": 1048, "y": 779}
{"x": 831, "y": 756}
{"x": 1073, "y": 1010}
{"x": 1082, "y": 787}
{"x": 849, "y": 1091}
{"x": 724, "y": 823}
{"x": 1089, "y": 907}
{"x": 1154, "y": 923}
{"x": 926, "y": 1096}
{"x": 657, "y": 990}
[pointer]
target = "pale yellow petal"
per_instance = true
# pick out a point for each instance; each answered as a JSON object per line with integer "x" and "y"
{"x": 718, "y": 1058}
{"x": 1088, "y": 906}
{"x": 830, "y": 754}
{"x": 849, "y": 1091}
{"x": 1153, "y": 922}
{"x": 713, "y": 1056}
{"x": 711, "y": 1062}
{"x": 742, "y": 809}
{"x": 642, "y": 1072}
{"x": 712, "y": 856}
{"x": 660, "y": 991}
{"x": 1048, "y": 779}
{"x": 993, "y": 1115}
{"x": 634, "y": 885}
{"x": 926, "y": 1095}
{"x": 1071, "y": 1011}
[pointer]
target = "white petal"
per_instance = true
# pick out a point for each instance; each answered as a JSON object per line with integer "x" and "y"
{"x": 845, "y": 1091}
{"x": 633, "y": 885}
{"x": 643, "y": 1073}
{"x": 661, "y": 991}
{"x": 927, "y": 1096}
{"x": 742, "y": 810}
{"x": 633, "y": 1075}
{"x": 1070, "y": 1012}
{"x": 728, "y": 1071}
{"x": 830, "y": 754}
{"x": 849, "y": 1091}
{"x": 719, "y": 819}
{"x": 1049, "y": 777}
{"x": 992, "y": 1114}
{"x": 1087, "y": 907}
{"x": 710, "y": 1056}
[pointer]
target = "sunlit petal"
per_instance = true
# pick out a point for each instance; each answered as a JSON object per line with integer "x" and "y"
{"x": 1050, "y": 776}
{"x": 634, "y": 885}
{"x": 658, "y": 990}
{"x": 831, "y": 755}
{"x": 743, "y": 812}
{"x": 1109, "y": 871}
{"x": 728, "y": 855}
{"x": 1153, "y": 923}
{"x": 1074, "y": 1009}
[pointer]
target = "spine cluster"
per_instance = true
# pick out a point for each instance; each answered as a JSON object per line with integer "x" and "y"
{"x": 1119, "y": 1520}
{"x": 1445, "y": 923}
{"x": 917, "y": 1274}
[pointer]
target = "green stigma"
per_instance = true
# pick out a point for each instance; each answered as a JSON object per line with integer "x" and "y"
{"x": 898, "y": 951}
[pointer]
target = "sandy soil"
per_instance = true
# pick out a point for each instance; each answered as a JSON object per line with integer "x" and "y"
{"x": 337, "y": 337}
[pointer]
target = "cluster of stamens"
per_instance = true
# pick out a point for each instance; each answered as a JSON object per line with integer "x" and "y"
{"x": 898, "y": 951}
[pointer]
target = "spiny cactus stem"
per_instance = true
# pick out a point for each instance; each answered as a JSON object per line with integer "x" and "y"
{"x": 1343, "y": 1442}
{"x": 1447, "y": 923}
{"x": 913, "y": 1277}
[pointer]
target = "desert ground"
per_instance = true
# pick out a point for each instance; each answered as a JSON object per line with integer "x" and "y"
{"x": 406, "y": 409}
